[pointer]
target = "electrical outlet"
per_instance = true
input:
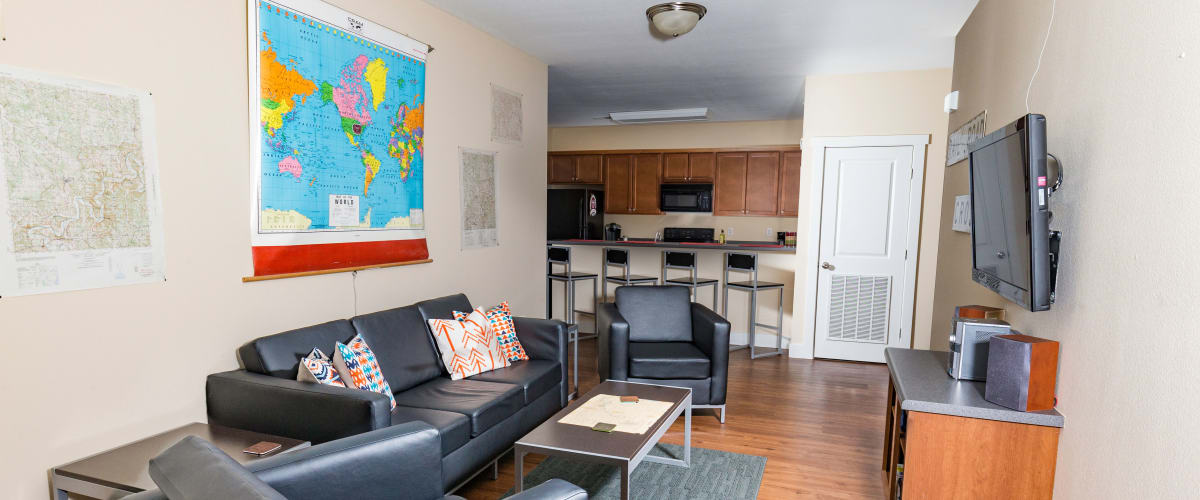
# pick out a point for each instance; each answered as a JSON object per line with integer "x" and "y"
{"x": 962, "y": 213}
{"x": 729, "y": 232}
{"x": 769, "y": 233}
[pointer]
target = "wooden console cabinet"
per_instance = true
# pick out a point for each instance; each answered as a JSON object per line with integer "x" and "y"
{"x": 953, "y": 444}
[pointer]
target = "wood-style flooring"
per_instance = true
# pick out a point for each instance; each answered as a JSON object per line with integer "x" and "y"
{"x": 819, "y": 423}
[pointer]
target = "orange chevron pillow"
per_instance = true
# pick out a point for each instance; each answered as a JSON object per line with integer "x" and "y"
{"x": 468, "y": 347}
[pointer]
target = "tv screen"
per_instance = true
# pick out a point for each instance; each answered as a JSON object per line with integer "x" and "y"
{"x": 1009, "y": 226}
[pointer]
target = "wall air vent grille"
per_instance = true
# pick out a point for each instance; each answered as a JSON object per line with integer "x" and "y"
{"x": 858, "y": 308}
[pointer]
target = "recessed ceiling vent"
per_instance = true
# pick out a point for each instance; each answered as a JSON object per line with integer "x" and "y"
{"x": 660, "y": 116}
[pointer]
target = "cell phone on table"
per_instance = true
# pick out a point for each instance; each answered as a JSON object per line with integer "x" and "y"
{"x": 262, "y": 448}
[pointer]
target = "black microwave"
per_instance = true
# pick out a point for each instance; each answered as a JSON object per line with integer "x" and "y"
{"x": 686, "y": 198}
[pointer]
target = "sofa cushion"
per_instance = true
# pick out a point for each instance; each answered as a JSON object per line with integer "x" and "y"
{"x": 667, "y": 360}
{"x": 656, "y": 313}
{"x": 401, "y": 344}
{"x": 535, "y": 377}
{"x": 455, "y": 428}
{"x": 443, "y": 307}
{"x": 485, "y": 403}
{"x": 279, "y": 355}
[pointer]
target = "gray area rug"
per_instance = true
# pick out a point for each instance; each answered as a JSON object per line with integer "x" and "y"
{"x": 713, "y": 475}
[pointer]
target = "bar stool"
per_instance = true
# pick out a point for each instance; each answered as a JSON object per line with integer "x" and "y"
{"x": 619, "y": 257}
{"x": 561, "y": 256}
{"x": 676, "y": 259}
{"x": 748, "y": 263}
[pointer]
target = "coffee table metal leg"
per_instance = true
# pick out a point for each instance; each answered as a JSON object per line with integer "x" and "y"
{"x": 625, "y": 481}
{"x": 518, "y": 465}
{"x": 687, "y": 436}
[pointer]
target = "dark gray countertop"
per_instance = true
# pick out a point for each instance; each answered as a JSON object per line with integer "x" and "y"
{"x": 745, "y": 246}
{"x": 922, "y": 384}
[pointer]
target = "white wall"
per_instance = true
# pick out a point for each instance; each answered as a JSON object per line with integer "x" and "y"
{"x": 1118, "y": 88}
{"x": 891, "y": 103}
{"x": 93, "y": 369}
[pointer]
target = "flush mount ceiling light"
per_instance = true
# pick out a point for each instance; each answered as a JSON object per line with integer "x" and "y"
{"x": 660, "y": 116}
{"x": 675, "y": 18}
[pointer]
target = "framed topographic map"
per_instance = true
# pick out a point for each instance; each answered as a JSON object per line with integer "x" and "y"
{"x": 79, "y": 196}
{"x": 337, "y": 149}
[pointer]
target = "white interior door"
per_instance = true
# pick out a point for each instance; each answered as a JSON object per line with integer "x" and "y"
{"x": 861, "y": 281}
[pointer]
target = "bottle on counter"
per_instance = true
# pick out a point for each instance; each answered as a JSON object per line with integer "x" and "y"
{"x": 721, "y": 237}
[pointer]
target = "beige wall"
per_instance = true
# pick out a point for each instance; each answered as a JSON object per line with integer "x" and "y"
{"x": 777, "y": 267}
{"x": 1118, "y": 88}
{"x": 677, "y": 135}
{"x": 93, "y": 369}
{"x": 892, "y": 103}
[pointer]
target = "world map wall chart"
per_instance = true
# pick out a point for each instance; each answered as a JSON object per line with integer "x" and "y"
{"x": 338, "y": 107}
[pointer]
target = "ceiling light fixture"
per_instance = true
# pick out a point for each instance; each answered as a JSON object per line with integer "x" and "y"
{"x": 675, "y": 18}
{"x": 660, "y": 116}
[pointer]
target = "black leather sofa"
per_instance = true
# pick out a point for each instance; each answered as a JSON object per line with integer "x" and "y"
{"x": 395, "y": 462}
{"x": 657, "y": 335}
{"x": 477, "y": 418}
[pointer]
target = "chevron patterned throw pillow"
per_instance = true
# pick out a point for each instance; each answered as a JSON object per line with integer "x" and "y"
{"x": 468, "y": 347}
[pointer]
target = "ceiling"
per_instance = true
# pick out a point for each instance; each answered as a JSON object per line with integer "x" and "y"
{"x": 745, "y": 60}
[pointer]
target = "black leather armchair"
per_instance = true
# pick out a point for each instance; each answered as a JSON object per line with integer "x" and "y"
{"x": 401, "y": 461}
{"x": 656, "y": 335}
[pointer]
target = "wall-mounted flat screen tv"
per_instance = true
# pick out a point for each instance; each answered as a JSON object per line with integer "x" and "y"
{"x": 1010, "y": 237}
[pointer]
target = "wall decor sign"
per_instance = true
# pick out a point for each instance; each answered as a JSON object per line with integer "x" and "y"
{"x": 479, "y": 218}
{"x": 80, "y": 205}
{"x": 507, "y": 115}
{"x": 958, "y": 147}
{"x": 337, "y": 147}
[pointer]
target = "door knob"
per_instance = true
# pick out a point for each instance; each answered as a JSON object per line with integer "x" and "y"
{"x": 826, "y": 265}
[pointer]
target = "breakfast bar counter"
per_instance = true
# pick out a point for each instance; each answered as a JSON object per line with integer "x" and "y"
{"x": 744, "y": 246}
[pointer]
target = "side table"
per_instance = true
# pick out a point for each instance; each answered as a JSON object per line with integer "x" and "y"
{"x": 123, "y": 470}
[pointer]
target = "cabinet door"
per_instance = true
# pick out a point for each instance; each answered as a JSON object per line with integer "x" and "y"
{"x": 588, "y": 169}
{"x": 675, "y": 167}
{"x": 701, "y": 167}
{"x": 647, "y": 176}
{"x": 762, "y": 183}
{"x": 561, "y": 170}
{"x": 618, "y": 184}
{"x": 789, "y": 184}
{"x": 729, "y": 190}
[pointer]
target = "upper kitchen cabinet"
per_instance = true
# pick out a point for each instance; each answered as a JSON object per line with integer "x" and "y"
{"x": 762, "y": 183}
{"x": 789, "y": 185}
{"x": 688, "y": 167}
{"x": 729, "y": 190}
{"x": 575, "y": 169}
{"x": 631, "y": 183}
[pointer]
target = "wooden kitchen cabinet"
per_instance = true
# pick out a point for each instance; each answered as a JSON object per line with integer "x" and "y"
{"x": 575, "y": 169}
{"x": 762, "y": 183}
{"x": 647, "y": 177}
{"x": 729, "y": 190}
{"x": 789, "y": 184}
{"x": 618, "y": 184}
{"x": 688, "y": 167}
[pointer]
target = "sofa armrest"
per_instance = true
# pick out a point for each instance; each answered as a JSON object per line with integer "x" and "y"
{"x": 289, "y": 408}
{"x": 545, "y": 339}
{"x": 554, "y": 489}
{"x": 710, "y": 333}
{"x": 404, "y": 460}
{"x": 612, "y": 342}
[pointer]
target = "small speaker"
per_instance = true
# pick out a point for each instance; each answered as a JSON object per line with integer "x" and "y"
{"x": 1021, "y": 372}
{"x": 969, "y": 346}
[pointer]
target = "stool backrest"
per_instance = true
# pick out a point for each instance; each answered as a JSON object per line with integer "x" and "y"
{"x": 616, "y": 256}
{"x": 679, "y": 260}
{"x": 558, "y": 255}
{"x": 742, "y": 263}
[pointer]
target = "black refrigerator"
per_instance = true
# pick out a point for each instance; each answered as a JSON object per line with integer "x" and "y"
{"x": 574, "y": 213}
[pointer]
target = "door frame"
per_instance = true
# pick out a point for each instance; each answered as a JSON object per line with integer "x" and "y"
{"x": 814, "y": 148}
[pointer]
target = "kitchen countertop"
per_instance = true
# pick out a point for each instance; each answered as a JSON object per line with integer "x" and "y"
{"x": 745, "y": 246}
{"x": 922, "y": 384}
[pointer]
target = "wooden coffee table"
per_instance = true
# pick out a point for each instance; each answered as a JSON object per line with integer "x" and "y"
{"x": 124, "y": 470}
{"x": 622, "y": 449}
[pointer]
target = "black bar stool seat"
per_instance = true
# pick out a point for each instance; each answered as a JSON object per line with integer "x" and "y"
{"x": 687, "y": 261}
{"x": 574, "y": 275}
{"x": 753, "y": 285}
{"x": 689, "y": 281}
